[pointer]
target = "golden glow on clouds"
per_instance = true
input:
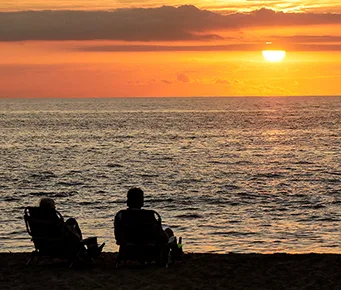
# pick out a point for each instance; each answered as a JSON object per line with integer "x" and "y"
{"x": 217, "y": 5}
{"x": 230, "y": 64}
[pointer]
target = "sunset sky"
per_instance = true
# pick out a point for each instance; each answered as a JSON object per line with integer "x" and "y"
{"x": 108, "y": 48}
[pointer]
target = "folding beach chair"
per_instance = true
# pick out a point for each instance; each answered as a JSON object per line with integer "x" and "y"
{"x": 139, "y": 237}
{"x": 47, "y": 229}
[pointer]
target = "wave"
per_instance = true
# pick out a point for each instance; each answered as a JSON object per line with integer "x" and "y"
{"x": 189, "y": 216}
{"x": 69, "y": 183}
{"x": 114, "y": 165}
{"x": 53, "y": 193}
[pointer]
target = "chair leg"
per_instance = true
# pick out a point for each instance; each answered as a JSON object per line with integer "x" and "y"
{"x": 75, "y": 258}
{"x": 72, "y": 262}
{"x": 31, "y": 258}
{"x": 117, "y": 261}
{"x": 169, "y": 258}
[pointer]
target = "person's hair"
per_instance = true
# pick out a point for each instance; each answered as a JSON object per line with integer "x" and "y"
{"x": 47, "y": 203}
{"x": 135, "y": 197}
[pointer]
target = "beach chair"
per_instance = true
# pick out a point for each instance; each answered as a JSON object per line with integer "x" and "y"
{"x": 139, "y": 232}
{"x": 47, "y": 229}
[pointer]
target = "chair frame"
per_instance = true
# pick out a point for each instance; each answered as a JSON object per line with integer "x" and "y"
{"x": 152, "y": 247}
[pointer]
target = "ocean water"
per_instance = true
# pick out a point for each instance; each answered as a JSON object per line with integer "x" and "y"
{"x": 227, "y": 174}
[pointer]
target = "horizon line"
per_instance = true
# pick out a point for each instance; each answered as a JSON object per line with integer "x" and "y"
{"x": 169, "y": 97}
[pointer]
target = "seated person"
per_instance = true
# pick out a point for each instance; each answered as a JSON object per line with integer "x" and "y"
{"x": 134, "y": 218}
{"x": 71, "y": 230}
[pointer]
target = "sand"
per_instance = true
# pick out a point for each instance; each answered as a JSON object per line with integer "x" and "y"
{"x": 197, "y": 271}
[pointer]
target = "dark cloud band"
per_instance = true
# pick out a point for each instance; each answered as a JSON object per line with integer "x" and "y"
{"x": 153, "y": 24}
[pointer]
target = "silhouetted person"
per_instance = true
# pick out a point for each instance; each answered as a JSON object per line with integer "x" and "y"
{"x": 71, "y": 231}
{"x": 134, "y": 214}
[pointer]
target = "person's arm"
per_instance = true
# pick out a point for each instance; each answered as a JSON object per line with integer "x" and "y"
{"x": 162, "y": 234}
{"x": 118, "y": 228}
{"x": 70, "y": 235}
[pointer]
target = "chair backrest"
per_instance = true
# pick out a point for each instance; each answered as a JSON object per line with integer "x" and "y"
{"x": 139, "y": 226}
{"x": 45, "y": 226}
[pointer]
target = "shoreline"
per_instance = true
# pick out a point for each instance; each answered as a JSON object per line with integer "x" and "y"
{"x": 196, "y": 271}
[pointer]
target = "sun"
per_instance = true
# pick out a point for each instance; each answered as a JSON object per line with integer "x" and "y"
{"x": 274, "y": 55}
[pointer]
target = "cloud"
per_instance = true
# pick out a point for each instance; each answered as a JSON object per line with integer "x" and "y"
{"x": 229, "y": 47}
{"x": 136, "y": 24}
{"x": 150, "y": 47}
{"x": 222, "y": 82}
{"x": 182, "y": 78}
{"x": 165, "y": 23}
{"x": 307, "y": 38}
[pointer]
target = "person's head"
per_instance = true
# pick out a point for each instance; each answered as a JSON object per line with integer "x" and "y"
{"x": 135, "y": 198}
{"x": 47, "y": 203}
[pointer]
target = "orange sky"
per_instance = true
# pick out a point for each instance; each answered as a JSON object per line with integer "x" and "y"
{"x": 168, "y": 51}
{"x": 217, "y": 5}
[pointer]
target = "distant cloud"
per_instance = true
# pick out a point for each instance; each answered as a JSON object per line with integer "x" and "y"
{"x": 166, "y": 82}
{"x": 165, "y": 23}
{"x": 238, "y": 82}
{"x": 182, "y": 78}
{"x": 155, "y": 47}
{"x": 307, "y": 38}
{"x": 222, "y": 82}
{"x": 305, "y": 46}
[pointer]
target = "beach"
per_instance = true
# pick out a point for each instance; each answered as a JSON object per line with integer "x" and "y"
{"x": 196, "y": 271}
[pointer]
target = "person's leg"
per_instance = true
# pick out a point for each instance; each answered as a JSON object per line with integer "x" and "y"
{"x": 169, "y": 232}
{"x": 171, "y": 238}
{"x": 72, "y": 224}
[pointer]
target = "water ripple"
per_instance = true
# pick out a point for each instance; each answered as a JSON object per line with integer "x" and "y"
{"x": 233, "y": 174}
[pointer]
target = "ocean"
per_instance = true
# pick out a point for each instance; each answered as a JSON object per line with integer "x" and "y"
{"x": 246, "y": 174}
